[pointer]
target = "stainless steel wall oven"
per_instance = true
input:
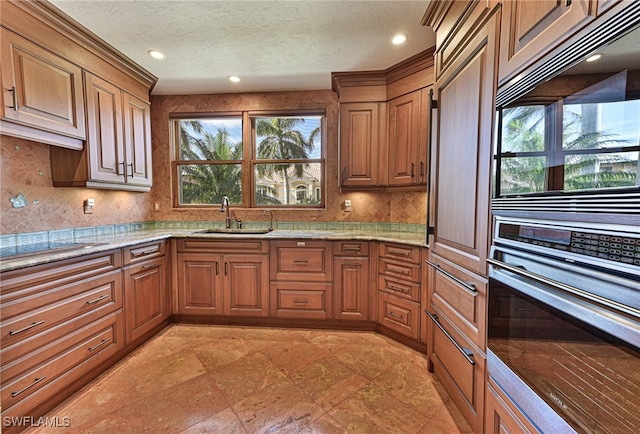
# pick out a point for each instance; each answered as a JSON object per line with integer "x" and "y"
{"x": 564, "y": 323}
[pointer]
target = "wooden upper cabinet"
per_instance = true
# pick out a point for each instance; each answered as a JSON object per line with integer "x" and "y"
{"x": 359, "y": 144}
{"x": 42, "y": 93}
{"x": 105, "y": 141}
{"x": 118, "y": 150}
{"x": 465, "y": 94}
{"x": 137, "y": 139}
{"x": 530, "y": 29}
{"x": 404, "y": 122}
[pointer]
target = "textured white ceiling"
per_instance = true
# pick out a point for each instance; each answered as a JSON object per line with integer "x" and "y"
{"x": 271, "y": 45}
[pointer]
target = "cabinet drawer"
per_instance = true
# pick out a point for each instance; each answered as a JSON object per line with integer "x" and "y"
{"x": 302, "y": 260}
{"x": 399, "y": 287}
{"x": 302, "y": 300}
{"x": 403, "y": 271}
{"x": 460, "y": 367}
{"x": 222, "y": 246}
{"x": 400, "y": 252}
{"x": 142, "y": 252}
{"x": 39, "y": 278}
{"x": 461, "y": 296}
{"x": 29, "y": 381}
{"x": 351, "y": 248}
{"x": 399, "y": 314}
{"x": 27, "y": 324}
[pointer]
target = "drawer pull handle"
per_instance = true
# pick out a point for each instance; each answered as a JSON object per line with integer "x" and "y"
{"x": 353, "y": 264}
{"x": 217, "y": 268}
{"x": 397, "y": 288}
{"x": 148, "y": 266}
{"x": 395, "y": 315}
{"x": 469, "y": 286}
{"x": 467, "y": 353}
{"x": 397, "y": 271}
{"x": 14, "y": 98}
{"x": 131, "y": 165}
{"x": 146, "y": 252}
{"x": 102, "y": 297}
{"x": 301, "y": 301}
{"x": 24, "y": 329}
{"x": 37, "y": 380}
{"x": 300, "y": 261}
{"x": 402, "y": 253}
{"x": 351, "y": 249}
{"x": 104, "y": 341}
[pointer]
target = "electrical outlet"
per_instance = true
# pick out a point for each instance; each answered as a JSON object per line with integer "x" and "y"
{"x": 156, "y": 206}
{"x": 88, "y": 205}
{"x": 347, "y": 205}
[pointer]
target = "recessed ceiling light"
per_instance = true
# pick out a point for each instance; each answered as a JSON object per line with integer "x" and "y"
{"x": 594, "y": 57}
{"x": 156, "y": 54}
{"x": 399, "y": 39}
{"x": 234, "y": 78}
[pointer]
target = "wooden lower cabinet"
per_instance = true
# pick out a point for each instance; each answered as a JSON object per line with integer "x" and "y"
{"x": 502, "y": 416}
{"x": 244, "y": 285}
{"x": 399, "y": 314}
{"x": 146, "y": 297}
{"x": 199, "y": 284}
{"x": 352, "y": 281}
{"x": 460, "y": 367}
{"x": 301, "y": 300}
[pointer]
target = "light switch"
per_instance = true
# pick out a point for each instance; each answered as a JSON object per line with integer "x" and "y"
{"x": 88, "y": 205}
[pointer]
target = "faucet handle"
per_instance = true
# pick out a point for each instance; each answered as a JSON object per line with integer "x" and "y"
{"x": 239, "y": 224}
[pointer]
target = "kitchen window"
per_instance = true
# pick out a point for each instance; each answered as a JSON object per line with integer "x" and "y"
{"x": 584, "y": 142}
{"x": 256, "y": 159}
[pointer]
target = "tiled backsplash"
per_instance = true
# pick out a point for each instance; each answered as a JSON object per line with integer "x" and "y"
{"x": 14, "y": 244}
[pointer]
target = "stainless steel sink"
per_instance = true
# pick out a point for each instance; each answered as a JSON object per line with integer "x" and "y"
{"x": 234, "y": 231}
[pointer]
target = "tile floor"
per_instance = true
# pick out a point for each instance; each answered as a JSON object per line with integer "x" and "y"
{"x": 216, "y": 379}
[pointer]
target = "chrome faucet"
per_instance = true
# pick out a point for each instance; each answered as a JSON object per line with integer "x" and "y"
{"x": 227, "y": 220}
{"x": 268, "y": 211}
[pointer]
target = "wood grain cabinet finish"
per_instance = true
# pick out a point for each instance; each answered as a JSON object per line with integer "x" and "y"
{"x": 212, "y": 283}
{"x": 146, "y": 297}
{"x": 461, "y": 296}
{"x": 531, "y": 29}
{"x": 465, "y": 94}
{"x": 399, "y": 281}
{"x": 118, "y": 151}
{"x": 59, "y": 321}
{"x": 41, "y": 91}
{"x": 351, "y": 280}
{"x": 460, "y": 367}
{"x": 502, "y": 416}
{"x": 360, "y": 143}
{"x": 301, "y": 279}
{"x": 408, "y": 133}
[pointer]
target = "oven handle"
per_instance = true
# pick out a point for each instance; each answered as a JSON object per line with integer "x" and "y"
{"x": 469, "y": 286}
{"x": 467, "y": 353}
{"x": 523, "y": 272}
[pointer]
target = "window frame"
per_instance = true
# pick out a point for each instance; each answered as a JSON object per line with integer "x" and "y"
{"x": 249, "y": 156}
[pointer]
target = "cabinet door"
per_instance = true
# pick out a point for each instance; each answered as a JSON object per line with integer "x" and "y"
{"x": 359, "y": 144}
{"x": 199, "y": 284}
{"x": 531, "y": 29}
{"x": 500, "y": 418}
{"x": 465, "y": 94}
{"x": 137, "y": 140}
{"x": 246, "y": 285}
{"x": 104, "y": 138}
{"x": 146, "y": 294}
{"x": 404, "y": 123}
{"x": 41, "y": 90}
{"x": 351, "y": 288}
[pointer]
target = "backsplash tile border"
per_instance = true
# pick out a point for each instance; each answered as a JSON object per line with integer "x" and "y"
{"x": 12, "y": 244}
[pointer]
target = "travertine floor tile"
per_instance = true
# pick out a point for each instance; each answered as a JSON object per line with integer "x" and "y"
{"x": 244, "y": 380}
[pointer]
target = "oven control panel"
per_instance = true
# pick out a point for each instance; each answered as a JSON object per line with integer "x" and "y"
{"x": 609, "y": 246}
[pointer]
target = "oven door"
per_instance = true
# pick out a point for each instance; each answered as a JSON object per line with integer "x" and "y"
{"x": 568, "y": 358}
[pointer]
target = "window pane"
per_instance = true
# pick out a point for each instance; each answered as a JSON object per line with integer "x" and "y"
{"x": 207, "y": 183}
{"x": 288, "y": 184}
{"x": 211, "y": 139}
{"x": 601, "y": 125}
{"x": 522, "y": 175}
{"x": 288, "y": 138}
{"x": 523, "y": 129}
{"x": 591, "y": 171}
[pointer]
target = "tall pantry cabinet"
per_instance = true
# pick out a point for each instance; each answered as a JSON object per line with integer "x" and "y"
{"x": 466, "y": 80}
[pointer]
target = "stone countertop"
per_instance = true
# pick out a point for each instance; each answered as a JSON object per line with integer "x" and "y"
{"x": 101, "y": 243}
